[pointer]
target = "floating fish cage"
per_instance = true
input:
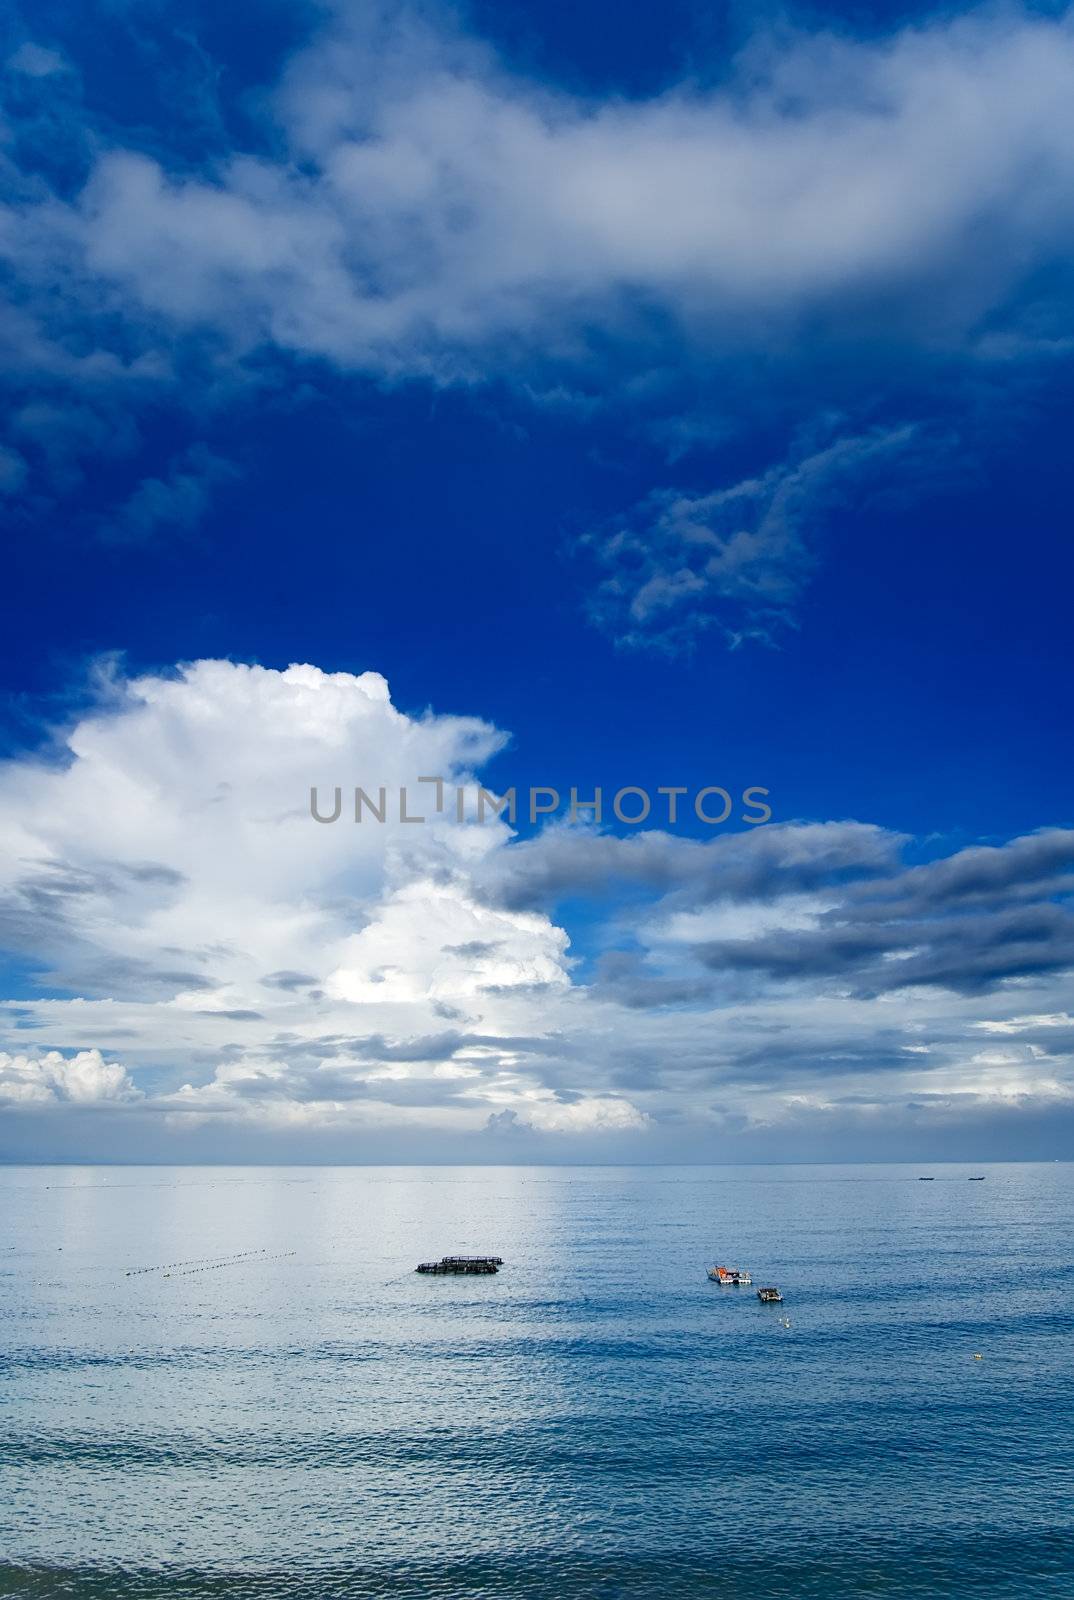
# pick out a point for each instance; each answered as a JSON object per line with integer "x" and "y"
{"x": 465, "y": 1264}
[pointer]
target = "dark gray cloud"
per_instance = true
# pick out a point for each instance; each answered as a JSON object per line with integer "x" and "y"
{"x": 44, "y": 914}
{"x": 774, "y": 860}
{"x": 152, "y": 872}
{"x": 338, "y": 1084}
{"x": 34, "y": 914}
{"x": 173, "y": 978}
{"x": 1033, "y": 865}
{"x": 970, "y": 923}
{"x": 87, "y": 972}
{"x": 431, "y": 1047}
{"x": 376, "y": 1049}
{"x": 518, "y": 990}
{"x": 444, "y": 1046}
{"x": 451, "y": 1013}
{"x": 237, "y": 1015}
{"x": 622, "y": 976}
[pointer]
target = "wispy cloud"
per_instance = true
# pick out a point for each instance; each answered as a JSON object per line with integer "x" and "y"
{"x": 36, "y": 61}
{"x": 445, "y": 204}
{"x": 735, "y": 559}
{"x": 410, "y": 208}
{"x": 176, "y": 501}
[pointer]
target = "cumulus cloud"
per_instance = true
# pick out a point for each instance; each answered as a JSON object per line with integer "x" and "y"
{"x": 184, "y": 804}
{"x": 596, "y": 1114}
{"x": 162, "y": 867}
{"x": 84, "y": 1079}
{"x": 215, "y": 965}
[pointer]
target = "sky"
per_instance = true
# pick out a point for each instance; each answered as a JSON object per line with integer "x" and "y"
{"x": 536, "y": 397}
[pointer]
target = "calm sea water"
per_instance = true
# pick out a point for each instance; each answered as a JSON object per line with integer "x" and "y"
{"x": 597, "y": 1421}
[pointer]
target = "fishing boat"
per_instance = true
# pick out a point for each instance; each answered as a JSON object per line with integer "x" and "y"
{"x": 770, "y": 1296}
{"x": 730, "y": 1275}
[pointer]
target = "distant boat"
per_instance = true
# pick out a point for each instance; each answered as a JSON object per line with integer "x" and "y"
{"x": 981, "y": 1179}
{"x": 729, "y": 1275}
{"x": 926, "y": 1180}
{"x": 770, "y": 1296}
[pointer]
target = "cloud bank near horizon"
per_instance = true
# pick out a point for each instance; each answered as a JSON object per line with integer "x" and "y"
{"x": 207, "y": 970}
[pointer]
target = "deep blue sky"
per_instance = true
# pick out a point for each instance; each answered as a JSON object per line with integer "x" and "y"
{"x": 926, "y": 688}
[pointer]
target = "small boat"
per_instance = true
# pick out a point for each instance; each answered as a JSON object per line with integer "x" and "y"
{"x": 729, "y": 1275}
{"x": 770, "y": 1296}
{"x": 981, "y": 1179}
{"x": 926, "y": 1180}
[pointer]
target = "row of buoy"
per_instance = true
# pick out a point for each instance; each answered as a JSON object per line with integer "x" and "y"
{"x": 195, "y": 1183}
{"x": 194, "y": 1261}
{"x": 215, "y": 1266}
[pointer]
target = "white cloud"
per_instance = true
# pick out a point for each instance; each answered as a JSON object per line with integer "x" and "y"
{"x": 1054, "y": 1019}
{"x": 248, "y": 973}
{"x": 166, "y": 868}
{"x": 442, "y": 203}
{"x": 593, "y": 1115}
{"x": 422, "y": 947}
{"x": 428, "y": 205}
{"x": 53, "y": 1079}
{"x": 743, "y": 919}
{"x": 184, "y": 806}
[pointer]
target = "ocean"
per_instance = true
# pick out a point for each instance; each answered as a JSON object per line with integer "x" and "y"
{"x": 231, "y": 1382}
